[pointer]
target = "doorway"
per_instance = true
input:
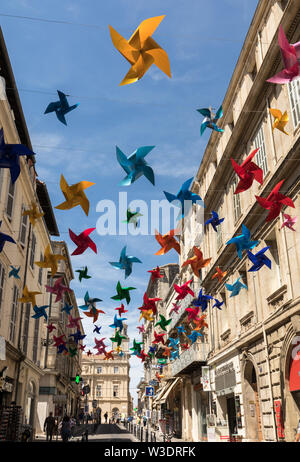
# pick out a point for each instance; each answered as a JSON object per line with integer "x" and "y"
{"x": 231, "y": 412}
{"x": 251, "y": 402}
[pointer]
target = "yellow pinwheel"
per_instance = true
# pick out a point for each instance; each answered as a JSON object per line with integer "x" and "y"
{"x": 74, "y": 195}
{"x": 146, "y": 315}
{"x": 34, "y": 213}
{"x": 280, "y": 119}
{"x": 28, "y": 297}
{"x": 50, "y": 260}
{"x": 141, "y": 50}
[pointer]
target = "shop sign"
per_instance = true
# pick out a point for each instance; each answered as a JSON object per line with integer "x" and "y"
{"x": 205, "y": 379}
{"x": 279, "y": 422}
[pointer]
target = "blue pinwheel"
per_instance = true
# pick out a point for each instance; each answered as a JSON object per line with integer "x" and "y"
{"x": 259, "y": 259}
{"x": 118, "y": 323}
{"x": 10, "y": 156}
{"x": 125, "y": 262}
{"x": 184, "y": 198}
{"x": 174, "y": 342}
{"x": 218, "y": 304}
{"x": 97, "y": 329}
{"x": 194, "y": 335}
{"x": 61, "y": 107}
{"x": 61, "y": 348}
{"x": 67, "y": 308}
{"x": 135, "y": 165}
{"x": 14, "y": 272}
{"x": 210, "y": 121}
{"x": 174, "y": 354}
{"x": 89, "y": 302}
{"x": 40, "y": 311}
{"x": 214, "y": 220}
{"x": 243, "y": 241}
{"x": 77, "y": 336}
{"x": 202, "y": 301}
{"x": 236, "y": 287}
{"x": 181, "y": 329}
{"x": 5, "y": 238}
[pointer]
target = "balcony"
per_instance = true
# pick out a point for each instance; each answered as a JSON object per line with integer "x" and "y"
{"x": 191, "y": 359}
{"x": 183, "y": 305}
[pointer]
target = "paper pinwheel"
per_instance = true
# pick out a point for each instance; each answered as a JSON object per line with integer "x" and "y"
{"x": 242, "y": 241}
{"x": 97, "y": 329}
{"x": 159, "y": 377}
{"x": 197, "y": 261}
{"x": 135, "y": 165}
{"x": 10, "y": 156}
{"x": 74, "y": 195}
{"x": 77, "y": 336}
{"x": 83, "y": 241}
{"x": 218, "y": 304}
{"x": 280, "y": 120}
{"x": 136, "y": 346}
{"x": 89, "y": 302}
{"x": 89, "y": 353}
{"x": 141, "y": 329}
{"x": 123, "y": 292}
{"x": 274, "y": 202}
{"x": 146, "y": 315}
{"x": 214, "y": 220}
{"x": 62, "y": 348}
{"x": 236, "y": 287}
{"x": 183, "y": 290}
{"x": 219, "y": 274}
{"x": 72, "y": 352}
{"x": 117, "y": 338}
{"x": 192, "y": 313}
{"x": 82, "y": 347}
{"x": 121, "y": 310}
{"x": 247, "y": 172}
{"x": 51, "y": 327}
{"x": 184, "y": 346}
{"x": 125, "y": 262}
{"x": 100, "y": 343}
{"x": 118, "y": 323}
{"x": 175, "y": 308}
{"x": 259, "y": 259}
{"x": 174, "y": 355}
{"x": 132, "y": 217}
{"x": 67, "y": 308}
{"x": 200, "y": 322}
{"x": 173, "y": 342}
{"x": 83, "y": 274}
{"x": 210, "y": 120}
{"x": 61, "y": 107}
{"x": 57, "y": 341}
{"x": 40, "y": 311}
{"x": 94, "y": 313}
{"x": 143, "y": 356}
{"x": 158, "y": 338}
{"x": 167, "y": 242}
{"x": 290, "y": 55}
{"x": 14, "y": 272}
{"x": 58, "y": 289}
{"x": 167, "y": 351}
{"x": 163, "y": 322}
{"x": 155, "y": 274}
{"x": 152, "y": 350}
{"x": 194, "y": 335}
{"x": 289, "y": 221}
{"x": 28, "y": 297}
{"x": 181, "y": 329}
{"x": 202, "y": 301}
{"x": 5, "y": 238}
{"x": 50, "y": 260}
{"x": 73, "y": 322}
{"x": 150, "y": 303}
{"x": 141, "y": 50}
{"x": 184, "y": 198}
{"x": 34, "y": 214}
{"x": 108, "y": 355}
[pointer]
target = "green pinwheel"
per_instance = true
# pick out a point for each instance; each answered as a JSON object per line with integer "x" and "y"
{"x": 117, "y": 338}
{"x": 72, "y": 352}
{"x": 123, "y": 292}
{"x": 163, "y": 323}
{"x": 83, "y": 274}
{"x": 132, "y": 217}
{"x": 136, "y": 347}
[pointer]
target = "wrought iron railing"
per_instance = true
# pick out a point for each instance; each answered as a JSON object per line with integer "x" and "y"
{"x": 197, "y": 352}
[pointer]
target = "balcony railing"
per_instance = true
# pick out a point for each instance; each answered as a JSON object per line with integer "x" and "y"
{"x": 183, "y": 305}
{"x": 197, "y": 353}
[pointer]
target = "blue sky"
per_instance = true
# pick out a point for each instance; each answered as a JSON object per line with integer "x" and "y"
{"x": 203, "y": 40}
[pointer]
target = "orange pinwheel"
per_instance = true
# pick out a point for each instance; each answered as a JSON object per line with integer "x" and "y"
{"x": 34, "y": 213}
{"x": 197, "y": 261}
{"x": 219, "y": 274}
{"x": 108, "y": 355}
{"x": 74, "y": 195}
{"x": 141, "y": 50}
{"x": 167, "y": 242}
{"x": 50, "y": 260}
{"x": 280, "y": 120}
{"x": 167, "y": 351}
{"x": 93, "y": 313}
{"x": 200, "y": 322}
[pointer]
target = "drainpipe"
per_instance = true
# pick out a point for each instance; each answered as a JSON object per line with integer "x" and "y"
{"x": 270, "y": 382}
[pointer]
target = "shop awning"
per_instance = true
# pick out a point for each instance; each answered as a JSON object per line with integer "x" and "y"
{"x": 161, "y": 391}
{"x": 295, "y": 374}
{"x": 163, "y": 398}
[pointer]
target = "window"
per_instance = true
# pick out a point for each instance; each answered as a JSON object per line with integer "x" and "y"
{"x": 294, "y": 95}
{"x": 2, "y": 279}
{"x": 10, "y": 200}
{"x": 116, "y": 370}
{"x": 99, "y": 370}
{"x": 26, "y": 327}
{"x": 261, "y": 158}
{"x": 237, "y": 211}
{"x": 35, "y": 340}
{"x": 23, "y": 228}
{"x": 219, "y": 231}
{"x": 40, "y": 278}
{"x": 98, "y": 391}
{"x": 13, "y": 317}
{"x": 1, "y": 178}
{"x": 32, "y": 253}
{"x": 115, "y": 391}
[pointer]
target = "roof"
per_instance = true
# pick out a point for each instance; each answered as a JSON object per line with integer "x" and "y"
{"x": 44, "y": 199}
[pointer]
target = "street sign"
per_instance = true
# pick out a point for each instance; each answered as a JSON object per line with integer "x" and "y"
{"x": 149, "y": 391}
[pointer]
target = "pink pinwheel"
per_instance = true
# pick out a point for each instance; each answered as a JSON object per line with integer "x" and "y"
{"x": 175, "y": 308}
{"x": 141, "y": 329}
{"x": 183, "y": 290}
{"x": 73, "y": 322}
{"x": 291, "y": 58}
{"x": 247, "y": 172}
{"x": 58, "y": 289}
{"x": 289, "y": 221}
{"x": 83, "y": 241}
{"x": 193, "y": 313}
{"x": 274, "y": 202}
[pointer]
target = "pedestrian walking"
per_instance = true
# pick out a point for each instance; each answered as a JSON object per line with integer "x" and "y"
{"x": 105, "y": 417}
{"x": 144, "y": 421}
{"x": 66, "y": 429}
{"x": 49, "y": 426}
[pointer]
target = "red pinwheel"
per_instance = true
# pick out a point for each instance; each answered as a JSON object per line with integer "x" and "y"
{"x": 184, "y": 346}
{"x": 248, "y": 171}
{"x": 73, "y": 322}
{"x": 83, "y": 241}
{"x": 155, "y": 274}
{"x": 100, "y": 343}
{"x": 94, "y": 313}
{"x": 121, "y": 310}
{"x": 51, "y": 327}
{"x": 82, "y": 347}
{"x": 58, "y": 340}
{"x": 89, "y": 353}
{"x": 159, "y": 338}
{"x": 142, "y": 356}
{"x": 274, "y": 202}
{"x": 193, "y": 313}
{"x": 58, "y": 289}
{"x": 149, "y": 304}
{"x": 183, "y": 290}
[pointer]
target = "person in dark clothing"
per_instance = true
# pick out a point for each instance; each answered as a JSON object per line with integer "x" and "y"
{"x": 105, "y": 417}
{"x": 66, "y": 429}
{"x": 49, "y": 426}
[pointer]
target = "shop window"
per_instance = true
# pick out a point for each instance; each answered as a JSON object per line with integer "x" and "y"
{"x": 294, "y": 96}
